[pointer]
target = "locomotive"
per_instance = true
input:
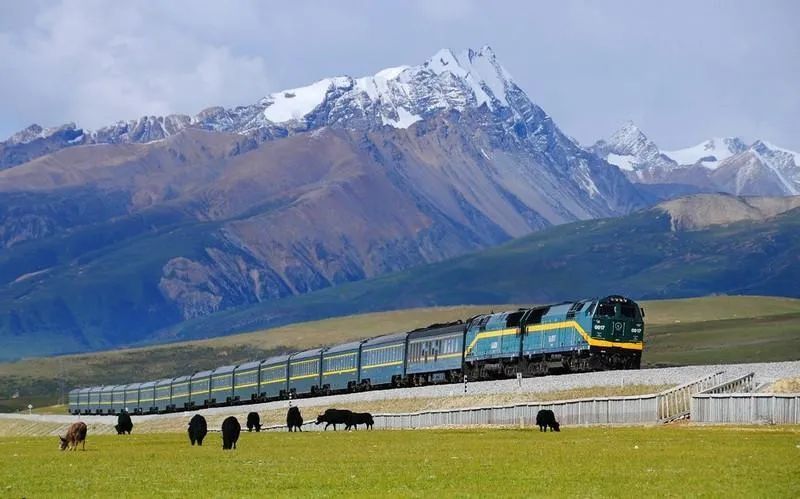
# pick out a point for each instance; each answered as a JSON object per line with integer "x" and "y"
{"x": 586, "y": 335}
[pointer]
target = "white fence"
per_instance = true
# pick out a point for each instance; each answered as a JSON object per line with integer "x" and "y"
{"x": 759, "y": 408}
{"x": 676, "y": 402}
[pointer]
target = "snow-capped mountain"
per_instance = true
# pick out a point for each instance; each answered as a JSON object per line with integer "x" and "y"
{"x": 709, "y": 153}
{"x": 725, "y": 164}
{"x": 397, "y": 97}
{"x": 341, "y": 180}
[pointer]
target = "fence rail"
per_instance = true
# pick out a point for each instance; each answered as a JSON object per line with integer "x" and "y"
{"x": 771, "y": 408}
{"x": 676, "y": 402}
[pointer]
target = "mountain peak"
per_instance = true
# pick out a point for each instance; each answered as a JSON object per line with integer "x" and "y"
{"x": 626, "y": 133}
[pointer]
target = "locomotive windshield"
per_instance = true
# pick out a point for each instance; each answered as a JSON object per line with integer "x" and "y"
{"x": 605, "y": 310}
{"x": 628, "y": 311}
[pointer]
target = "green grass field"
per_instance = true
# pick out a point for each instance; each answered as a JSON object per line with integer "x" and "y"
{"x": 721, "y": 329}
{"x": 578, "y": 462}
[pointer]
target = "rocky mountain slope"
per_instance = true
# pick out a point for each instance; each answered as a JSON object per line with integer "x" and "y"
{"x": 110, "y": 235}
{"x": 716, "y": 165}
{"x": 695, "y": 246}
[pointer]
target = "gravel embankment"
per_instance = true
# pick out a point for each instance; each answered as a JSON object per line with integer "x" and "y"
{"x": 527, "y": 388}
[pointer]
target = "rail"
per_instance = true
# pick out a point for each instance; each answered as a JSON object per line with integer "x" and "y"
{"x": 676, "y": 402}
{"x": 756, "y": 408}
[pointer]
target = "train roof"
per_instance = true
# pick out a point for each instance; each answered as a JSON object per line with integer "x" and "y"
{"x": 278, "y": 359}
{"x": 96, "y": 389}
{"x": 201, "y": 374}
{"x": 307, "y": 354}
{"x": 387, "y": 338}
{"x": 165, "y": 381}
{"x": 148, "y": 384}
{"x": 179, "y": 379}
{"x": 132, "y": 386}
{"x": 85, "y": 390}
{"x": 436, "y": 330}
{"x": 353, "y": 345}
{"x": 248, "y": 365}
{"x": 223, "y": 370}
{"x": 118, "y": 387}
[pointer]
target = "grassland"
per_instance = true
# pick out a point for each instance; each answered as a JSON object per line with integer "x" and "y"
{"x": 619, "y": 462}
{"x": 719, "y": 329}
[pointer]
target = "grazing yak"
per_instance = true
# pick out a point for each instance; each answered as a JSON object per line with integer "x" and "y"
{"x": 334, "y": 417}
{"x": 124, "y": 423}
{"x": 197, "y": 429}
{"x": 253, "y": 422}
{"x": 294, "y": 420}
{"x": 76, "y": 434}
{"x": 358, "y": 418}
{"x": 545, "y": 418}
{"x": 230, "y": 432}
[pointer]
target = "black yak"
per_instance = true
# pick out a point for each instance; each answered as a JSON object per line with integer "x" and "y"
{"x": 230, "y": 432}
{"x": 76, "y": 434}
{"x": 358, "y": 418}
{"x": 334, "y": 417}
{"x": 294, "y": 419}
{"x": 124, "y": 423}
{"x": 545, "y": 418}
{"x": 197, "y": 429}
{"x": 253, "y": 422}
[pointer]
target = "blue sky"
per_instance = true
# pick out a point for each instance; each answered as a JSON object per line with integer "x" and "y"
{"x": 683, "y": 71}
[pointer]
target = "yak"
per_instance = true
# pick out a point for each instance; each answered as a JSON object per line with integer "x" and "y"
{"x": 294, "y": 420}
{"x": 230, "y": 432}
{"x": 197, "y": 429}
{"x": 358, "y": 418}
{"x": 124, "y": 423}
{"x": 334, "y": 417}
{"x": 76, "y": 434}
{"x": 545, "y": 418}
{"x": 253, "y": 422}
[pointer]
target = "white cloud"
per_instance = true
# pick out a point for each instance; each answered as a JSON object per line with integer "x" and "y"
{"x": 98, "y": 62}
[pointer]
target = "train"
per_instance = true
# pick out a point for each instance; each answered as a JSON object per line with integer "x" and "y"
{"x": 573, "y": 336}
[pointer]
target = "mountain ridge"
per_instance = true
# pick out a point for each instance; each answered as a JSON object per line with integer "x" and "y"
{"x": 724, "y": 164}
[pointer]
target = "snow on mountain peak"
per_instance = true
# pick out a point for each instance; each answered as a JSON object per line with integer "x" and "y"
{"x": 709, "y": 153}
{"x": 399, "y": 96}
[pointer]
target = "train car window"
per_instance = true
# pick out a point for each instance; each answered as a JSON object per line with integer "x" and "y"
{"x": 513, "y": 319}
{"x": 579, "y": 307}
{"x": 628, "y": 311}
{"x": 535, "y": 316}
{"x": 605, "y": 310}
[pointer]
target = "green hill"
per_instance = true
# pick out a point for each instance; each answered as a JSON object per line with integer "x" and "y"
{"x": 638, "y": 256}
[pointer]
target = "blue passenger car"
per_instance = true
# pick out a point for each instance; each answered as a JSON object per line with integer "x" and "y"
{"x": 163, "y": 394}
{"x": 304, "y": 372}
{"x": 132, "y": 397}
{"x": 118, "y": 399}
{"x": 383, "y": 360}
{"x": 74, "y": 404}
{"x": 222, "y": 385}
{"x": 200, "y": 389}
{"x": 105, "y": 400}
{"x": 273, "y": 378}
{"x": 340, "y": 368}
{"x": 245, "y": 382}
{"x": 147, "y": 397}
{"x": 83, "y": 400}
{"x": 180, "y": 393}
{"x": 94, "y": 400}
{"x": 435, "y": 354}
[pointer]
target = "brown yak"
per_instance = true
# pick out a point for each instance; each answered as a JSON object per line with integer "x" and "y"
{"x": 76, "y": 434}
